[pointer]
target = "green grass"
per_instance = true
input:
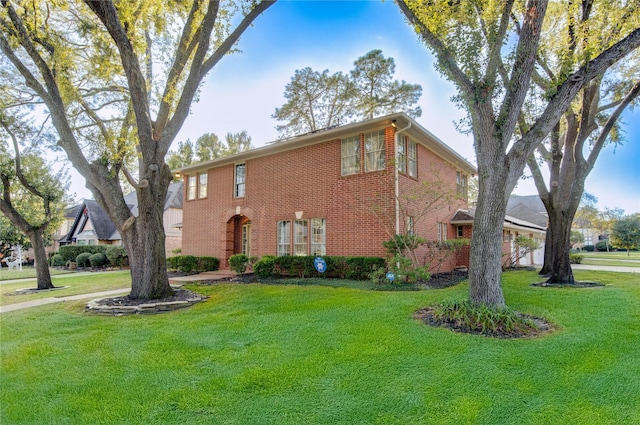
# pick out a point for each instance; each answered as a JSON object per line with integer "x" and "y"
{"x": 292, "y": 354}
{"x": 81, "y": 283}
{"x": 26, "y": 273}
{"x": 616, "y": 258}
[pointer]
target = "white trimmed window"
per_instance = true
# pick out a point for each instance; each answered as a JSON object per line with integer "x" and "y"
{"x": 318, "y": 236}
{"x": 410, "y": 226}
{"x": 374, "y": 151}
{"x": 246, "y": 239}
{"x": 401, "y": 158}
{"x": 412, "y": 158}
{"x": 461, "y": 185}
{"x": 191, "y": 187}
{"x": 240, "y": 179}
{"x": 442, "y": 232}
{"x": 300, "y": 237}
{"x": 350, "y": 154}
{"x": 284, "y": 238}
{"x": 202, "y": 185}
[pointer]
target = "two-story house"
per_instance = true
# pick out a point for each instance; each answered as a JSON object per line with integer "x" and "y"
{"x": 338, "y": 191}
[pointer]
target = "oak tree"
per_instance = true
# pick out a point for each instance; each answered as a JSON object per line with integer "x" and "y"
{"x": 489, "y": 50}
{"x": 117, "y": 79}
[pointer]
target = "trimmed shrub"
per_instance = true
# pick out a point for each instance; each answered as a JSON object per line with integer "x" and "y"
{"x": 602, "y": 245}
{"x": 265, "y": 266}
{"x": 82, "y": 260}
{"x": 117, "y": 256}
{"x": 208, "y": 264}
{"x": 57, "y": 260}
{"x": 187, "y": 263}
{"x": 575, "y": 258}
{"x": 71, "y": 252}
{"x": 172, "y": 263}
{"x": 98, "y": 260}
{"x": 359, "y": 268}
{"x": 238, "y": 263}
{"x": 589, "y": 248}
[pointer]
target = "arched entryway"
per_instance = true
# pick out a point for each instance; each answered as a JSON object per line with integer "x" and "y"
{"x": 238, "y": 236}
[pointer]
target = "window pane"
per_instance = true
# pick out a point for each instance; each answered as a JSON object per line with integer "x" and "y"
{"x": 300, "y": 237}
{"x": 202, "y": 186}
{"x": 374, "y": 151}
{"x": 350, "y": 156}
{"x": 413, "y": 159}
{"x": 284, "y": 238}
{"x": 402, "y": 155}
{"x": 318, "y": 237}
{"x": 240, "y": 180}
{"x": 191, "y": 187}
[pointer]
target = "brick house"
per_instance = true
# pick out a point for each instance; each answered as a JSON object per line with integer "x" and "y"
{"x": 335, "y": 191}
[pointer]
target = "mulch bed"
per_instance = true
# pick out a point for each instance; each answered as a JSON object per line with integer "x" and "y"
{"x": 179, "y": 295}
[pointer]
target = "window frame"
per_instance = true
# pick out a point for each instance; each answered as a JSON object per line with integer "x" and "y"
{"x": 283, "y": 238}
{"x": 412, "y": 158}
{"x": 355, "y": 168}
{"x": 318, "y": 240}
{"x": 239, "y": 187}
{"x": 462, "y": 184}
{"x": 374, "y": 151}
{"x": 300, "y": 237}
{"x": 401, "y": 155}
{"x": 202, "y": 193}
{"x": 442, "y": 232}
{"x": 192, "y": 182}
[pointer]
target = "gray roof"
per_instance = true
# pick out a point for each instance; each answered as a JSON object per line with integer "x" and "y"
{"x": 104, "y": 228}
{"x": 467, "y": 216}
{"x": 532, "y": 202}
{"x": 523, "y": 212}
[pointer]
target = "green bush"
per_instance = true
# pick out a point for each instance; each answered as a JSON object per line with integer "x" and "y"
{"x": 82, "y": 260}
{"x": 57, "y": 260}
{"x": 589, "y": 248}
{"x": 238, "y": 263}
{"x": 265, "y": 266}
{"x": 575, "y": 258}
{"x": 172, "y": 263}
{"x": 208, "y": 264}
{"x": 187, "y": 263}
{"x": 71, "y": 252}
{"x": 359, "y": 268}
{"x": 98, "y": 260}
{"x": 116, "y": 255}
{"x": 602, "y": 245}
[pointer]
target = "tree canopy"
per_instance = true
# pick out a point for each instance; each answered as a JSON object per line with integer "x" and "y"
{"x": 117, "y": 81}
{"x": 317, "y": 100}
{"x": 208, "y": 147}
{"x": 489, "y": 50}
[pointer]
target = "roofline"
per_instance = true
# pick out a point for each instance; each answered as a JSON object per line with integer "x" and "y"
{"x": 438, "y": 147}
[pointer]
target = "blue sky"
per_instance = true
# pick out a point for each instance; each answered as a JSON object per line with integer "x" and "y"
{"x": 244, "y": 89}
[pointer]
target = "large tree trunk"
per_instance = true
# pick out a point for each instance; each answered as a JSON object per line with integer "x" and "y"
{"x": 558, "y": 245}
{"x": 41, "y": 261}
{"x": 485, "y": 258}
{"x": 144, "y": 240}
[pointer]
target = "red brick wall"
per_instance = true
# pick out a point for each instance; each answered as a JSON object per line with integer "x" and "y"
{"x": 358, "y": 209}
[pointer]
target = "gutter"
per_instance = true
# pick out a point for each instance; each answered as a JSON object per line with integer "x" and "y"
{"x": 397, "y": 174}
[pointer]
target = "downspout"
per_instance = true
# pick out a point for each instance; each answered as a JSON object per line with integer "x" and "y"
{"x": 397, "y": 174}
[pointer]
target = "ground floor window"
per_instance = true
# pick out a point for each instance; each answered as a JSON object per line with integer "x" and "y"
{"x": 284, "y": 238}
{"x": 246, "y": 239}
{"x": 300, "y": 237}
{"x": 318, "y": 237}
{"x": 309, "y": 237}
{"x": 442, "y": 232}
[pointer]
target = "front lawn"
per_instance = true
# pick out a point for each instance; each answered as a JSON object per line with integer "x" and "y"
{"x": 28, "y": 272}
{"x": 77, "y": 283}
{"x": 617, "y": 258}
{"x": 291, "y": 354}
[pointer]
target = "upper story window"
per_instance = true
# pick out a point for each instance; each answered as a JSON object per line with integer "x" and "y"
{"x": 350, "y": 154}
{"x": 461, "y": 185}
{"x": 202, "y": 185}
{"x": 374, "y": 151}
{"x": 410, "y": 226}
{"x": 442, "y": 232}
{"x": 407, "y": 157}
{"x": 412, "y": 159}
{"x": 402, "y": 155}
{"x": 191, "y": 187}
{"x": 240, "y": 178}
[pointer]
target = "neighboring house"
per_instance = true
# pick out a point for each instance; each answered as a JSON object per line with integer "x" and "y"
{"x": 519, "y": 220}
{"x": 336, "y": 191}
{"x": 62, "y": 231}
{"x": 92, "y": 225}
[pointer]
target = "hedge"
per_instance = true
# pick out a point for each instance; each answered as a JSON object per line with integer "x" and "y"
{"x": 354, "y": 268}
{"x": 71, "y": 252}
{"x": 83, "y": 259}
{"x": 190, "y": 263}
